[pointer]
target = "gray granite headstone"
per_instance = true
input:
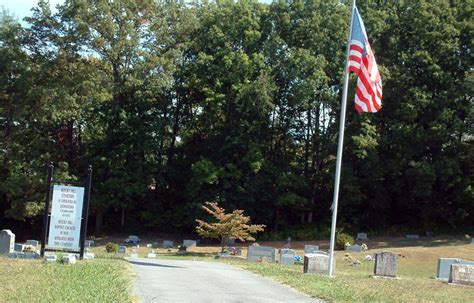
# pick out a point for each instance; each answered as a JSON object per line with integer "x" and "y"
{"x": 7, "y": 241}
{"x": 310, "y": 249}
{"x": 317, "y": 263}
{"x": 51, "y": 258}
{"x": 472, "y": 241}
{"x": 261, "y": 254}
{"x": 287, "y": 256}
{"x": 444, "y": 267}
{"x": 168, "y": 244}
{"x": 385, "y": 264}
{"x": 19, "y": 247}
{"x": 122, "y": 249}
{"x": 189, "y": 243}
{"x": 413, "y": 237}
{"x": 462, "y": 274}
{"x": 88, "y": 243}
{"x": 354, "y": 248}
{"x": 362, "y": 236}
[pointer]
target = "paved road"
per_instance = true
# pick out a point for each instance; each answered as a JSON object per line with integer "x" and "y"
{"x": 197, "y": 281}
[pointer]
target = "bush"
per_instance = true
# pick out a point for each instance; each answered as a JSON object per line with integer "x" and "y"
{"x": 341, "y": 239}
{"x": 111, "y": 247}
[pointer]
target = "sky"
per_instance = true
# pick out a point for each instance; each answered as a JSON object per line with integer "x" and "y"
{"x": 22, "y": 8}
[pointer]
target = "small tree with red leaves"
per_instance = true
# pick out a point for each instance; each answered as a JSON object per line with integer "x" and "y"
{"x": 232, "y": 225}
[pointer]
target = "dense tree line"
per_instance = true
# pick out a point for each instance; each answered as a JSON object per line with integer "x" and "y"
{"x": 175, "y": 104}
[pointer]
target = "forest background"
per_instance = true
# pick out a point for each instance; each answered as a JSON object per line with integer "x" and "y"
{"x": 175, "y": 104}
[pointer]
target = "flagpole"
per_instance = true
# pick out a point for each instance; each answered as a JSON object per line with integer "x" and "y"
{"x": 339, "y": 148}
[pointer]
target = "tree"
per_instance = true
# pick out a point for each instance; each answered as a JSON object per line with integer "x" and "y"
{"x": 231, "y": 225}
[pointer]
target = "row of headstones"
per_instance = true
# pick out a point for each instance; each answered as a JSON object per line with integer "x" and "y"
{"x": 456, "y": 271}
{"x": 166, "y": 244}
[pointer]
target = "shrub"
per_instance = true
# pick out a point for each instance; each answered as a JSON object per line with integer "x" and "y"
{"x": 111, "y": 247}
{"x": 341, "y": 239}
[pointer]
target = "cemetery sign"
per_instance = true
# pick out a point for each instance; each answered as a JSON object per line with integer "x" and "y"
{"x": 66, "y": 217}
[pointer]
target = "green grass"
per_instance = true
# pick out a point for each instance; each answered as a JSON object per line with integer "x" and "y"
{"x": 85, "y": 281}
{"x": 416, "y": 271}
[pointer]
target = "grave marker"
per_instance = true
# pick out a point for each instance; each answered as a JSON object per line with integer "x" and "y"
{"x": 462, "y": 274}
{"x": 19, "y": 247}
{"x": 151, "y": 255}
{"x": 69, "y": 259}
{"x": 317, "y": 263}
{"x": 168, "y": 244}
{"x": 189, "y": 243}
{"x": 122, "y": 249}
{"x": 311, "y": 249}
{"x": 354, "y": 248}
{"x": 287, "y": 256}
{"x": 261, "y": 254}
{"x": 34, "y": 243}
{"x": 413, "y": 237}
{"x": 51, "y": 258}
{"x": 362, "y": 236}
{"x": 444, "y": 267}
{"x": 7, "y": 241}
{"x": 385, "y": 264}
{"x": 472, "y": 241}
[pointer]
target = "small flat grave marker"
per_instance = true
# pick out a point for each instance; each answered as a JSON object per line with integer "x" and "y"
{"x": 122, "y": 249}
{"x": 362, "y": 236}
{"x": 261, "y": 254}
{"x": 189, "y": 243}
{"x": 385, "y": 264}
{"x": 413, "y": 237}
{"x": 462, "y": 274}
{"x": 149, "y": 245}
{"x": 7, "y": 241}
{"x": 287, "y": 256}
{"x": 168, "y": 244}
{"x": 151, "y": 255}
{"x": 310, "y": 249}
{"x": 317, "y": 263}
{"x": 34, "y": 243}
{"x": 51, "y": 258}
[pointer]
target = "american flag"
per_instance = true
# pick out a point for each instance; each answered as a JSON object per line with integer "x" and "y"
{"x": 368, "y": 96}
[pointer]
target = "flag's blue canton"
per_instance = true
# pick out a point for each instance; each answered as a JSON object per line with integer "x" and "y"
{"x": 358, "y": 31}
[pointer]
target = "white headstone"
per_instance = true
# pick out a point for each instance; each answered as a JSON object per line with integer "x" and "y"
{"x": 151, "y": 255}
{"x": 51, "y": 258}
{"x": 7, "y": 241}
{"x": 69, "y": 259}
{"x": 149, "y": 245}
{"x": 362, "y": 236}
{"x": 189, "y": 243}
{"x": 317, "y": 263}
{"x": 89, "y": 256}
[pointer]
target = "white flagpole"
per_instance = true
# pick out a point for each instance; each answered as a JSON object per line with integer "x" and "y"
{"x": 339, "y": 149}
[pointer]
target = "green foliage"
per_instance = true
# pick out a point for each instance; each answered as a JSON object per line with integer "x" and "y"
{"x": 342, "y": 238}
{"x": 111, "y": 247}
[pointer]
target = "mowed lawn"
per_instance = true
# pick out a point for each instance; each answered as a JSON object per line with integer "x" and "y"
{"x": 416, "y": 269}
{"x": 99, "y": 280}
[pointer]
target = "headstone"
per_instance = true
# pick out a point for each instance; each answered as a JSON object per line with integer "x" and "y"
{"x": 122, "y": 249}
{"x": 133, "y": 255}
{"x": 261, "y": 254}
{"x": 52, "y": 258}
{"x": 317, "y": 263}
{"x": 168, "y": 244}
{"x": 385, "y": 264}
{"x": 133, "y": 239}
{"x": 151, "y": 255}
{"x": 462, "y": 274}
{"x": 413, "y": 237}
{"x": 69, "y": 259}
{"x": 362, "y": 236}
{"x": 34, "y": 243}
{"x": 89, "y": 256}
{"x": 28, "y": 255}
{"x": 155, "y": 245}
{"x": 149, "y": 245}
{"x": 310, "y": 249}
{"x": 183, "y": 248}
{"x": 354, "y": 248}
{"x": 189, "y": 243}
{"x": 19, "y": 247}
{"x": 444, "y": 267}
{"x": 88, "y": 243}
{"x": 287, "y": 256}
{"x": 230, "y": 241}
{"x": 472, "y": 241}
{"x": 7, "y": 241}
